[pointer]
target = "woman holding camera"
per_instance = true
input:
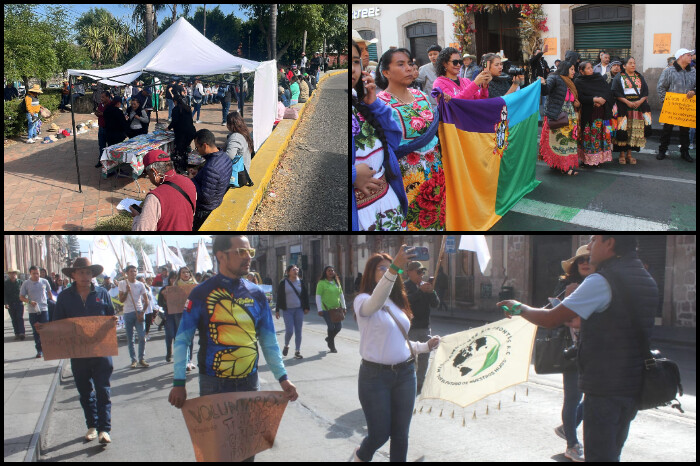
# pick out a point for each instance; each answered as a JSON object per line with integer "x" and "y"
{"x": 576, "y": 270}
{"x": 387, "y": 380}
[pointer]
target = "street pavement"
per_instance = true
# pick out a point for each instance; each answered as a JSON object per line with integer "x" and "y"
{"x": 327, "y": 423}
{"x": 653, "y": 195}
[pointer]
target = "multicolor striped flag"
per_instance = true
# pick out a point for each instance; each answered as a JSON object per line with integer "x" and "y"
{"x": 489, "y": 150}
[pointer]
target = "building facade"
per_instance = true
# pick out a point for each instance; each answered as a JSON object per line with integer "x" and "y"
{"x": 648, "y": 32}
{"x": 44, "y": 251}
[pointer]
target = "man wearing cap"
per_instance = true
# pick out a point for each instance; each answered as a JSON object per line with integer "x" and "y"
{"x": 679, "y": 78}
{"x": 421, "y": 296}
{"x": 92, "y": 375}
{"x": 170, "y": 206}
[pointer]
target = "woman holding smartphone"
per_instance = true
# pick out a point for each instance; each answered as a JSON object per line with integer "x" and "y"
{"x": 387, "y": 380}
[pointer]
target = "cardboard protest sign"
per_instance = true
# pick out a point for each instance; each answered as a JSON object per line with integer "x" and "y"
{"x": 678, "y": 110}
{"x": 176, "y": 297}
{"x": 79, "y": 337}
{"x": 233, "y": 426}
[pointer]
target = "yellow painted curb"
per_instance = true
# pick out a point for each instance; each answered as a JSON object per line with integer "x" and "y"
{"x": 239, "y": 204}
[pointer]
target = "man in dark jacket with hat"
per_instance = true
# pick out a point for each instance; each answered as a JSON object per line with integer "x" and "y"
{"x": 169, "y": 207}
{"x": 617, "y": 306}
{"x": 92, "y": 375}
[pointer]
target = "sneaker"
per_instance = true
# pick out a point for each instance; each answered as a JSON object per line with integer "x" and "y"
{"x": 197, "y": 121}
{"x": 560, "y": 432}
{"x": 39, "y": 355}
{"x": 105, "y": 438}
{"x": 575, "y": 453}
{"x": 223, "y": 123}
{"x": 30, "y": 141}
{"x": 91, "y": 434}
{"x": 298, "y": 355}
{"x": 285, "y": 351}
{"x": 143, "y": 363}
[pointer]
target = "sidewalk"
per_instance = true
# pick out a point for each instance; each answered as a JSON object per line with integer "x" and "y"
{"x": 29, "y": 386}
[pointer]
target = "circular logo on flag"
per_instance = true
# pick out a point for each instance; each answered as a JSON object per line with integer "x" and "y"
{"x": 480, "y": 357}
{"x": 101, "y": 243}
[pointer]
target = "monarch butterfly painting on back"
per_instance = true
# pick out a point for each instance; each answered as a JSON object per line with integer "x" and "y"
{"x": 231, "y": 325}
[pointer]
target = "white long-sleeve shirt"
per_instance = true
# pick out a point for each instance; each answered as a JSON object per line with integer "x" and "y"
{"x": 381, "y": 340}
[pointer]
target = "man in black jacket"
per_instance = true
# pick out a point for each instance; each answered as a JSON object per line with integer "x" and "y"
{"x": 617, "y": 306}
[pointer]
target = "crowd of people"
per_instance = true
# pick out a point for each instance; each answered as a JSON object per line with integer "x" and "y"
{"x": 590, "y": 110}
{"x": 603, "y": 283}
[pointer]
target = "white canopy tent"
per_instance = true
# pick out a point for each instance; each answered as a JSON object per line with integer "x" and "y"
{"x": 183, "y": 51}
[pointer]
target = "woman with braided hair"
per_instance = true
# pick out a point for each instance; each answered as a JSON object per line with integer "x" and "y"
{"x": 379, "y": 200}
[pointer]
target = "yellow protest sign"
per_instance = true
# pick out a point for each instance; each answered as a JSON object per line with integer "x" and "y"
{"x": 79, "y": 337}
{"x": 233, "y": 426}
{"x": 678, "y": 110}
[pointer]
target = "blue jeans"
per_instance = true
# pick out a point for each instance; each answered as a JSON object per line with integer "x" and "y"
{"x": 387, "y": 397}
{"x": 293, "y": 321}
{"x": 31, "y": 126}
{"x": 606, "y": 425}
{"x": 92, "y": 378}
{"x": 572, "y": 411}
{"x": 34, "y": 317}
{"x": 130, "y": 322}
{"x": 209, "y": 385}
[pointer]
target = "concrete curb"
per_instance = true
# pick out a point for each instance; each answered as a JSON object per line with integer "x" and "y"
{"x": 239, "y": 204}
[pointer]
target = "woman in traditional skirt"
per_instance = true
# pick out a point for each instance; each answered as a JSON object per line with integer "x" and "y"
{"x": 633, "y": 112}
{"x": 419, "y": 153}
{"x": 558, "y": 146}
{"x": 595, "y": 145}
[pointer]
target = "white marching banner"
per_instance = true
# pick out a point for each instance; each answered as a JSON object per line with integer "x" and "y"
{"x": 204, "y": 262}
{"x": 477, "y": 243}
{"x": 476, "y": 363}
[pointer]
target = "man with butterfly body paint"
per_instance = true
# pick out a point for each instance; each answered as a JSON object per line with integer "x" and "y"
{"x": 232, "y": 315}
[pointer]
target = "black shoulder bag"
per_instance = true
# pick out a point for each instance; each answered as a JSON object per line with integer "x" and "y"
{"x": 661, "y": 379}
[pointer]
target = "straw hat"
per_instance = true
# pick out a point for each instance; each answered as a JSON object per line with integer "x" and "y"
{"x": 581, "y": 252}
{"x": 83, "y": 263}
{"x": 36, "y": 88}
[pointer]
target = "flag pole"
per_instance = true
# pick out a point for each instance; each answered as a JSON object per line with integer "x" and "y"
{"x": 439, "y": 262}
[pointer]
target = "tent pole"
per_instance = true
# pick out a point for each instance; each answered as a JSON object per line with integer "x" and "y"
{"x": 75, "y": 143}
{"x": 240, "y": 94}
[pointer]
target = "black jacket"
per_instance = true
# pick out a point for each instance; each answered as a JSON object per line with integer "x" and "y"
{"x": 282, "y": 295}
{"x": 611, "y": 353}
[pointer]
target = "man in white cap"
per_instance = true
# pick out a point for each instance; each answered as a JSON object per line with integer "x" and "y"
{"x": 678, "y": 78}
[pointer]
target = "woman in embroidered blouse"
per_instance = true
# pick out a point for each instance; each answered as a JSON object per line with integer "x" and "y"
{"x": 421, "y": 167}
{"x": 379, "y": 199}
{"x": 387, "y": 380}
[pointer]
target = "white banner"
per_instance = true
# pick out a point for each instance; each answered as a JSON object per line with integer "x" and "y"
{"x": 474, "y": 364}
{"x": 204, "y": 262}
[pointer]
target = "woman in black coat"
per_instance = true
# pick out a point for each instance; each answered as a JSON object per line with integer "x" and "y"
{"x": 595, "y": 142}
{"x": 184, "y": 130}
